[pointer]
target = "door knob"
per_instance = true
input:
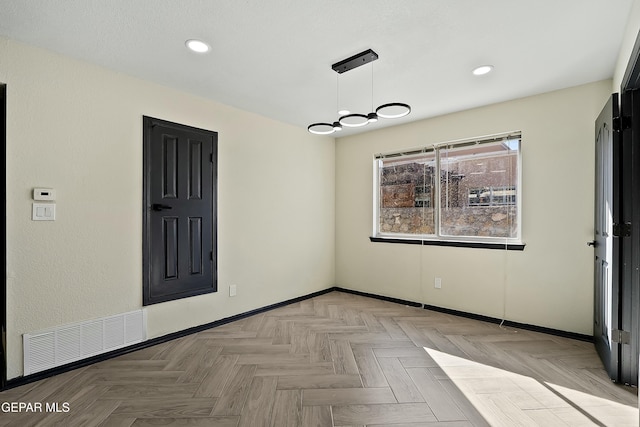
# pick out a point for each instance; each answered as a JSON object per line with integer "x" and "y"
{"x": 592, "y": 243}
{"x": 159, "y": 207}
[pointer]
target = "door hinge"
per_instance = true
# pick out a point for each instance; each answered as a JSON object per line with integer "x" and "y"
{"x": 621, "y": 123}
{"x": 211, "y": 157}
{"x": 211, "y": 256}
{"x": 622, "y": 230}
{"x": 620, "y": 337}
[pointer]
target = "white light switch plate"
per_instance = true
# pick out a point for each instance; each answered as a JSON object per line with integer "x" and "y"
{"x": 43, "y": 212}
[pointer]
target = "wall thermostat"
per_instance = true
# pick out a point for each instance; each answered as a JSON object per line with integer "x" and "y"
{"x": 44, "y": 194}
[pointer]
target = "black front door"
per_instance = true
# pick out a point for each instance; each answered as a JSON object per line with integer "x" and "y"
{"x": 179, "y": 240}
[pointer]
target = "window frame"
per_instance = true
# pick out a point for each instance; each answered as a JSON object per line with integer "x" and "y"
{"x": 438, "y": 238}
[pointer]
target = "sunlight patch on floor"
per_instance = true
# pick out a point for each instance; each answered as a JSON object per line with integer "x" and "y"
{"x": 508, "y": 399}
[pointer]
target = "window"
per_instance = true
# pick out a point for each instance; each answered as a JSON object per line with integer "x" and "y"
{"x": 465, "y": 191}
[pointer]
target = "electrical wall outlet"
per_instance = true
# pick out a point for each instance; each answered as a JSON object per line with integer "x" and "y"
{"x": 232, "y": 290}
{"x": 437, "y": 283}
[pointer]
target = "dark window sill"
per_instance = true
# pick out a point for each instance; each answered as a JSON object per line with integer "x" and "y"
{"x": 476, "y": 245}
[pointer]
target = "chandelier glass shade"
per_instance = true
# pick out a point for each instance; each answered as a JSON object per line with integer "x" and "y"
{"x": 391, "y": 110}
{"x": 353, "y": 120}
{"x": 322, "y": 128}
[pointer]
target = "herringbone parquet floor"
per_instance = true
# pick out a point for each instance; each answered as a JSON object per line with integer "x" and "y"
{"x": 340, "y": 360}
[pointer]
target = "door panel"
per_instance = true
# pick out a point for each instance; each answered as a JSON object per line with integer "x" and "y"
{"x": 180, "y": 171}
{"x": 169, "y": 166}
{"x": 606, "y": 295}
{"x": 195, "y": 246}
{"x": 170, "y": 248}
{"x": 195, "y": 170}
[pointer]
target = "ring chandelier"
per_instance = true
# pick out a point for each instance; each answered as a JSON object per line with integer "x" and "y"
{"x": 391, "y": 110}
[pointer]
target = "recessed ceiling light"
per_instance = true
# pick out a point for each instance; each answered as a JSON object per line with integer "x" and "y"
{"x": 197, "y": 46}
{"x": 344, "y": 112}
{"x": 483, "y": 69}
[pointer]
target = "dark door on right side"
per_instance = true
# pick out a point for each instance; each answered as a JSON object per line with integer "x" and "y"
{"x": 627, "y": 233}
{"x": 179, "y": 230}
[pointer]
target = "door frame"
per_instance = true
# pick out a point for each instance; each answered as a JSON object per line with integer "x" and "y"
{"x": 3, "y": 291}
{"x": 628, "y": 260}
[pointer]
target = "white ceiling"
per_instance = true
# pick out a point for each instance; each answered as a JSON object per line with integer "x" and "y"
{"x": 273, "y": 57}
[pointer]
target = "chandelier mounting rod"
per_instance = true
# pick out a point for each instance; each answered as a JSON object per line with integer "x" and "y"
{"x": 354, "y": 61}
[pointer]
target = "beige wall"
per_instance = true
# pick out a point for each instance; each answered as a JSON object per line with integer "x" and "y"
{"x": 628, "y": 41}
{"x": 550, "y": 283}
{"x": 77, "y": 128}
